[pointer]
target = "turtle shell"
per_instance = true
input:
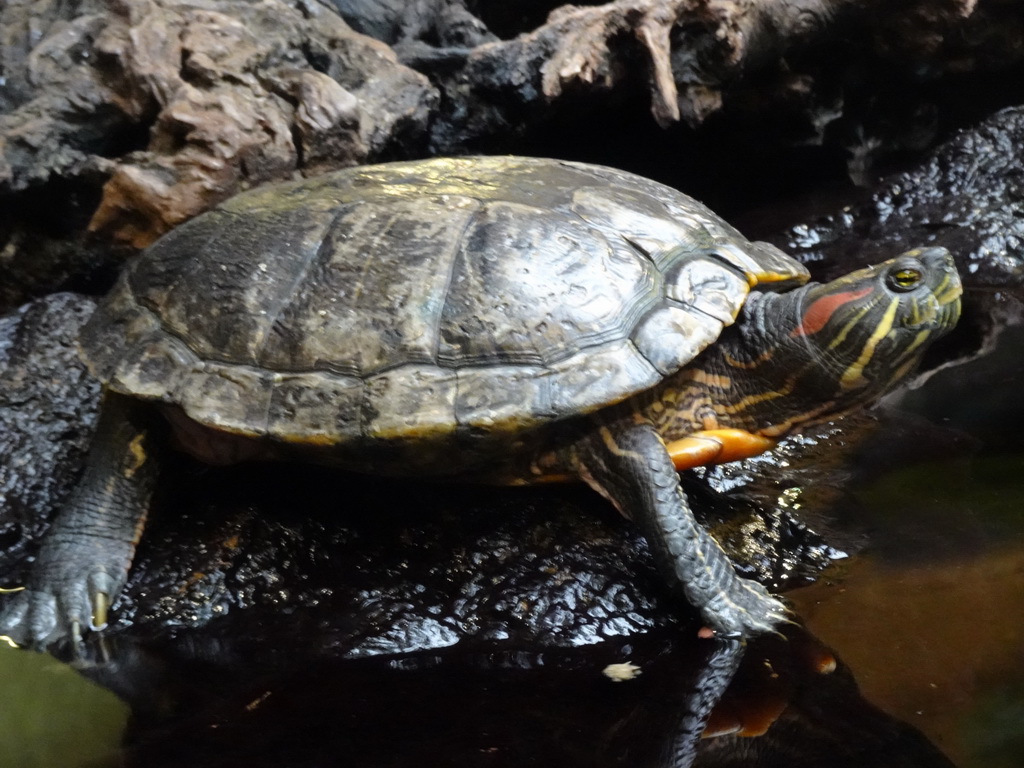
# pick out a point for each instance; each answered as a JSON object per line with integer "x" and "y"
{"x": 420, "y": 300}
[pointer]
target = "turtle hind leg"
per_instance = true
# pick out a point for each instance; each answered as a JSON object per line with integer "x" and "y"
{"x": 629, "y": 464}
{"x": 84, "y": 558}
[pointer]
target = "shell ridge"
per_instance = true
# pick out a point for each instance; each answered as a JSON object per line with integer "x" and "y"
{"x": 471, "y": 271}
{"x": 198, "y": 363}
{"x": 638, "y": 249}
{"x": 446, "y": 292}
{"x": 653, "y": 363}
{"x": 673, "y": 302}
{"x": 288, "y": 295}
{"x": 174, "y": 286}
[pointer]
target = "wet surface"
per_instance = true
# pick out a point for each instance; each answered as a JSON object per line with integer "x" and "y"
{"x": 261, "y": 627}
{"x": 924, "y": 619}
{"x": 968, "y": 196}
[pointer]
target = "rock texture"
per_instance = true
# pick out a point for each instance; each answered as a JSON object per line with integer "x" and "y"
{"x": 120, "y": 120}
{"x": 154, "y": 111}
{"x": 967, "y": 196}
{"x": 48, "y": 407}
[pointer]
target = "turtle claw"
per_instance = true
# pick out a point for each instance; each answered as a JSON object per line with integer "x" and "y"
{"x": 30, "y": 620}
{"x": 12, "y": 618}
{"x": 40, "y": 617}
{"x": 747, "y": 609}
{"x": 100, "y": 606}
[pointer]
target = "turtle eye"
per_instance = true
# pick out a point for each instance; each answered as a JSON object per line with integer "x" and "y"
{"x": 904, "y": 278}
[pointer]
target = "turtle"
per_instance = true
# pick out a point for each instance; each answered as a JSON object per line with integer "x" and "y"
{"x": 507, "y": 320}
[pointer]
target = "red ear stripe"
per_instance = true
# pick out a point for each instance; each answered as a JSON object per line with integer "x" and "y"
{"x": 819, "y": 313}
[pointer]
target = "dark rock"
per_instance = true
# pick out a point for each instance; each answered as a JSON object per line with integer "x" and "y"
{"x": 424, "y": 33}
{"x": 48, "y": 405}
{"x": 967, "y": 196}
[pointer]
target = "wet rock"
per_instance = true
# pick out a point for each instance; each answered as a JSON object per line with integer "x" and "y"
{"x": 370, "y": 568}
{"x": 968, "y": 196}
{"x": 360, "y": 567}
{"x": 48, "y": 406}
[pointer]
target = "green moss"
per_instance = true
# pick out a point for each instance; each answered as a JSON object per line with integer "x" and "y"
{"x": 52, "y": 716}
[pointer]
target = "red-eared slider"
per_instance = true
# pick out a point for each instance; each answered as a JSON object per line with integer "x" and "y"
{"x": 508, "y": 319}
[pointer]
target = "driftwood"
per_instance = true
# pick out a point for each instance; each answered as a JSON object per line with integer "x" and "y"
{"x": 155, "y": 111}
{"x": 225, "y": 94}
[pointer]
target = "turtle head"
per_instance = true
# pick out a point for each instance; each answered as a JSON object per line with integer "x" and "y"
{"x": 830, "y": 347}
{"x": 868, "y": 329}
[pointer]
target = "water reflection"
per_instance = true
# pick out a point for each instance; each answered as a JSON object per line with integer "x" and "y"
{"x": 198, "y": 703}
{"x": 930, "y": 615}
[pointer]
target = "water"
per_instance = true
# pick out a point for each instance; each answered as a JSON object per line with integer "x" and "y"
{"x": 929, "y": 617}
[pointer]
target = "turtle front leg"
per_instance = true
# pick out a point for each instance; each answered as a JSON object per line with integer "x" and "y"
{"x": 85, "y": 556}
{"x": 629, "y": 464}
